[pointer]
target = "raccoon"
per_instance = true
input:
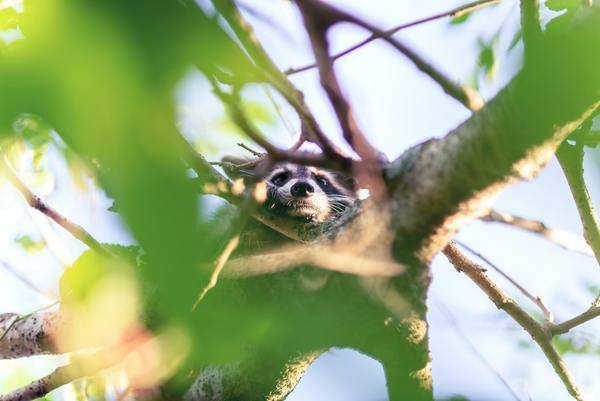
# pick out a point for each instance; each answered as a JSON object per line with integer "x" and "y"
{"x": 308, "y": 193}
{"x": 304, "y": 193}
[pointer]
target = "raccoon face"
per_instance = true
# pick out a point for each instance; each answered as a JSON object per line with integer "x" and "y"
{"x": 308, "y": 193}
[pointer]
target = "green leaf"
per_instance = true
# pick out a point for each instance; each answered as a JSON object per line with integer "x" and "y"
{"x": 8, "y": 19}
{"x": 593, "y": 289}
{"x": 460, "y": 19}
{"x": 91, "y": 267}
{"x": 259, "y": 113}
{"x": 515, "y": 40}
{"x": 567, "y": 344}
{"x": 487, "y": 61}
{"x": 558, "y": 5}
{"x": 29, "y": 245}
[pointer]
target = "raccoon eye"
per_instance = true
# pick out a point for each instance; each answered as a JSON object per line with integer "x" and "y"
{"x": 323, "y": 181}
{"x": 280, "y": 178}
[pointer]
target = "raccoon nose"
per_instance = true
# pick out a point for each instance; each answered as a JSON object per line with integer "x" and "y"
{"x": 302, "y": 190}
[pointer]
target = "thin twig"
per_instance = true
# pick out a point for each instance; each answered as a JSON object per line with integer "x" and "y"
{"x": 548, "y": 316}
{"x": 37, "y": 203}
{"x": 540, "y": 334}
{"x": 564, "y": 239}
{"x": 566, "y": 326}
{"x": 239, "y": 117}
{"x": 11, "y": 325}
{"x": 249, "y": 149}
{"x": 312, "y": 14}
{"x": 231, "y": 245}
{"x": 465, "y": 95}
{"x": 571, "y": 160}
{"x": 246, "y": 210}
{"x": 280, "y": 113}
{"x": 467, "y": 8}
{"x": 18, "y": 318}
{"x": 270, "y": 73}
{"x": 318, "y": 18}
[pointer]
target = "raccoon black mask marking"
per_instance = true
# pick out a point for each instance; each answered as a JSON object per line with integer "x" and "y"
{"x": 308, "y": 193}
{"x": 305, "y": 193}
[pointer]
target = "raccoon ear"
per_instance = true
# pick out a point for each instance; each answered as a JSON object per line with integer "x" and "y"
{"x": 237, "y": 166}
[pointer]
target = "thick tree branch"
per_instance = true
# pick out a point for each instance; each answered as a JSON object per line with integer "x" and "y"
{"x": 564, "y": 239}
{"x": 538, "y": 332}
{"x": 82, "y": 365}
{"x": 27, "y": 335}
{"x": 440, "y": 185}
{"x": 530, "y": 24}
{"x": 455, "y": 12}
{"x": 41, "y": 387}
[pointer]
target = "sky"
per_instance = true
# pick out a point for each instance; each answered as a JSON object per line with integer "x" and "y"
{"x": 397, "y": 107}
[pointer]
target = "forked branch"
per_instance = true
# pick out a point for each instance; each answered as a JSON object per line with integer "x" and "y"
{"x": 329, "y": 15}
{"x": 538, "y": 332}
{"x": 455, "y": 12}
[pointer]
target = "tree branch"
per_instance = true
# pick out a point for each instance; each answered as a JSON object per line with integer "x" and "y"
{"x": 237, "y": 114}
{"x": 80, "y": 367}
{"x": 467, "y": 96}
{"x": 566, "y": 326}
{"x": 271, "y": 74}
{"x": 440, "y": 185}
{"x": 232, "y": 241}
{"x": 27, "y": 335}
{"x": 548, "y": 316}
{"x": 41, "y": 387}
{"x": 455, "y": 12}
{"x": 530, "y": 24}
{"x": 37, "y": 203}
{"x": 538, "y": 333}
{"x": 564, "y": 239}
{"x": 317, "y": 23}
{"x": 571, "y": 161}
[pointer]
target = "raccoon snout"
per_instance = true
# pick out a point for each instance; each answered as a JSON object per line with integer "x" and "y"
{"x": 302, "y": 189}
